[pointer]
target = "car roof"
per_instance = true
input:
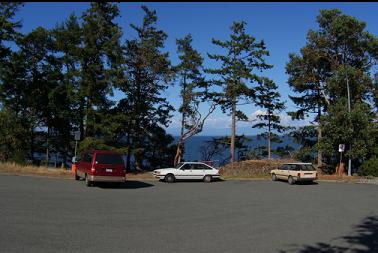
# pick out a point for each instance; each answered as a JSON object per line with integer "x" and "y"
{"x": 103, "y": 151}
{"x": 298, "y": 163}
{"x": 194, "y": 162}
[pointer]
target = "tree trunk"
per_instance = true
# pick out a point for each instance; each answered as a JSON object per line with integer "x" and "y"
{"x": 178, "y": 153}
{"x": 179, "y": 150}
{"x": 47, "y": 146}
{"x": 233, "y": 131}
{"x": 320, "y": 155}
{"x": 128, "y": 158}
{"x": 269, "y": 152}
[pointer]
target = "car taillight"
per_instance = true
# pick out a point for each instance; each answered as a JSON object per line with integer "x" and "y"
{"x": 93, "y": 170}
{"x": 299, "y": 174}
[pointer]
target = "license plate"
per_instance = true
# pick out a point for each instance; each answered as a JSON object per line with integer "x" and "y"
{"x": 109, "y": 170}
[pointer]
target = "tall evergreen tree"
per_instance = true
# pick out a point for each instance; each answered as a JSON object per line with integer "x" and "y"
{"x": 148, "y": 72}
{"x": 193, "y": 91}
{"x": 340, "y": 54}
{"x": 8, "y": 28}
{"x": 68, "y": 39}
{"x": 268, "y": 98}
{"x": 100, "y": 61}
{"x": 243, "y": 56}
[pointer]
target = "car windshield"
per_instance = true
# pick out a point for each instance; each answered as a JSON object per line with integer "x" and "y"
{"x": 179, "y": 165}
{"x": 109, "y": 159}
{"x": 308, "y": 167}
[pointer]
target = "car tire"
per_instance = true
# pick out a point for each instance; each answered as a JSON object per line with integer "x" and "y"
{"x": 170, "y": 178}
{"x": 88, "y": 182}
{"x": 274, "y": 177}
{"x": 76, "y": 176}
{"x": 207, "y": 178}
{"x": 291, "y": 180}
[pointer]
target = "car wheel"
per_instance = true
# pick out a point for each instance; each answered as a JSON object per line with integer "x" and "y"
{"x": 207, "y": 179}
{"x": 76, "y": 176}
{"x": 274, "y": 177}
{"x": 291, "y": 180}
{"x": 169, "y": 178}
{"x": 88, "y": 182}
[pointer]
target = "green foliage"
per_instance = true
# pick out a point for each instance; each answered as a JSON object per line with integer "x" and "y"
{"x": 356, "y": 129}
{"x": 194, "y": 90}
{"x": 339, "y": 54}
{"x": 268, "y": 98}
{"x": 90, "y": 143}
{"x": 148, "y": 71}
{"x": 8, "y": 28}
{"x": 244, "y": 56}
{"x": 100, "y": 59}
{"x": 13, "y": 144}
{"x": 307, "y": 137}
{"x": 369, "y": 167}
{"x": 305, "y": 154}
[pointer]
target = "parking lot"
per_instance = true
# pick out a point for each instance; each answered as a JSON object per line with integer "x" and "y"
{"x": 57, "y": 215}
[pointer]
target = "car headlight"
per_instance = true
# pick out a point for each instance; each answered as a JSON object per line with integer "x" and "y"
{"x": 157, "y": 172}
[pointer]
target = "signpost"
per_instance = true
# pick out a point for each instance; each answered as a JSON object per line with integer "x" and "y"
{"x": 77, "y": 138}
{"x": 341, "y": 150}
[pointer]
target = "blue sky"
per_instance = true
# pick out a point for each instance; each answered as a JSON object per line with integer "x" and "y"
{"x": 283, "y": 27}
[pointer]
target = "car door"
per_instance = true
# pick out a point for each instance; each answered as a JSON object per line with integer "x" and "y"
{"x": 184, "y": 172}
{"x": 85, "y": 164}
{"x": 80, "y": 165}
{"x": 283, "y": 171}
{"x": 198, "y": 171}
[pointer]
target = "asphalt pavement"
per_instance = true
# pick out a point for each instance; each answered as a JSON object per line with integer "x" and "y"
{"x": 57, "y": 215}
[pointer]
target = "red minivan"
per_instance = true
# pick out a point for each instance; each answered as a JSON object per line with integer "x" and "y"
{"x": 100, "y": 166}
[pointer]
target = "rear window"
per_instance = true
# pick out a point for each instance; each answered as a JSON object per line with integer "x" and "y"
{"x": 109, "y": 159}
{"x": 308, "y": 168}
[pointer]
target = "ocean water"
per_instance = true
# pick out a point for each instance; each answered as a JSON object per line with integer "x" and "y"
{"x": 194, "y": 144}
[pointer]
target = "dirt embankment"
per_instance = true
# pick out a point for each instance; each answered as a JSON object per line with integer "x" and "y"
{"x": 251, "y": 168}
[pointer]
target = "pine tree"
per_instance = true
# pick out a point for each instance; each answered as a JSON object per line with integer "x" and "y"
{"x": 100, "y": 61}
{"x": 243, "y": 56}
{"x": 8, "y": 28}
{"x": 148, "y": 72}
{"x": 67, "y": 38}
{"x": 338, "y": 55}
{"x": 193, "y": 91}
{"x": 268, "y": 98}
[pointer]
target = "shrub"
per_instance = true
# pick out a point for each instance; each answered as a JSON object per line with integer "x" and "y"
{"x": 369, "y": 167}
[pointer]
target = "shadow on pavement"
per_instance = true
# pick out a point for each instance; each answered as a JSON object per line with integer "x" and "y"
{"x": 363, "y": 239}
{"x": 129, "y": 184}
{"x": 195, "y": 181}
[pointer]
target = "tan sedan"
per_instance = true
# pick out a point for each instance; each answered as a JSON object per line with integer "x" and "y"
{"x": 295, "y": 172}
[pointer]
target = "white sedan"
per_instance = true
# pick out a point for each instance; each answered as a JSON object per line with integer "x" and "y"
{"x": 188, "y": 170}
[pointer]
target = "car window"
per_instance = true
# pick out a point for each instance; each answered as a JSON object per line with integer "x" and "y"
{"x": 109, "y": 159}
{"x": 284, "y": 167}
{"x": 186, "y": 166}
{"x": 308, "y": 167}
{"x": 296, "y": 167}
{"x": 89, "y": 158}
{"x": 200, "y": 167}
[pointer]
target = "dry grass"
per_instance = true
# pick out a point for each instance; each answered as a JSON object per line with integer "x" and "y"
{"x": 260, "y": 169}
{"x": 16, "y": 169}
{"x": 140, "y": 176}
